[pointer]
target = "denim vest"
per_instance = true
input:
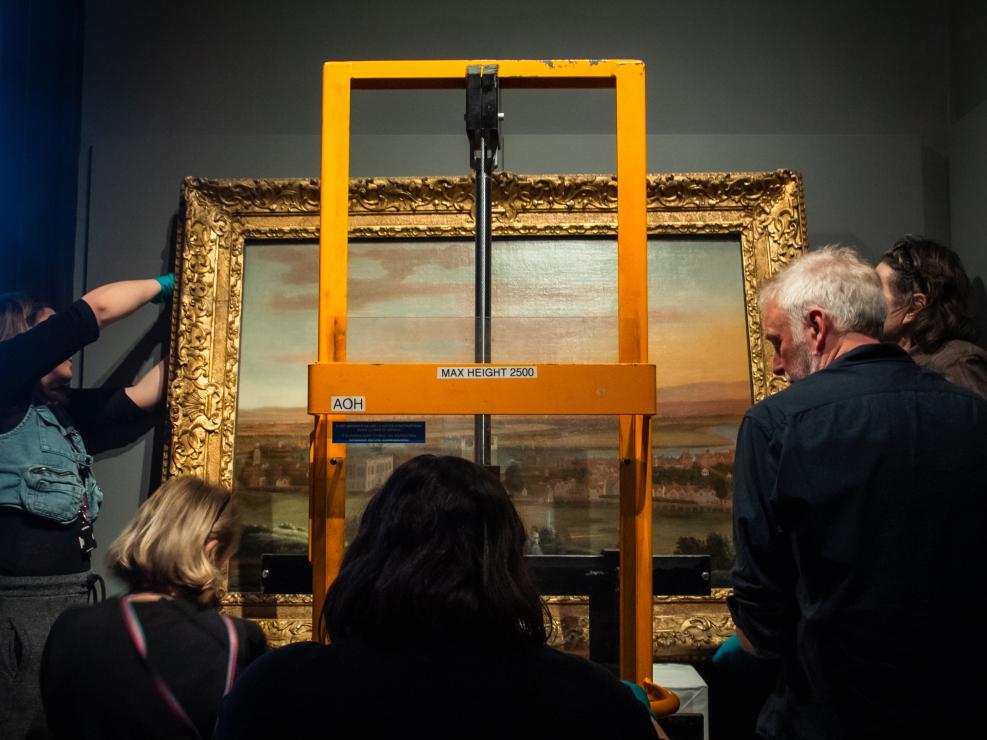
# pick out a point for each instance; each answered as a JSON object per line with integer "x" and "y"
{"x": 45, "y": 470}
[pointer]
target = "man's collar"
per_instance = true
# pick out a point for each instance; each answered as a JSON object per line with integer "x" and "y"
{"x": 871, "y": 352}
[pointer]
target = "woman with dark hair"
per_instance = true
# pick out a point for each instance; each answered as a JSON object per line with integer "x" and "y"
{"x": 926, "y": 289}
{"x": 157, "y": 661}
{"x": 49, "y": 497}
{"x": 436, "y": 630}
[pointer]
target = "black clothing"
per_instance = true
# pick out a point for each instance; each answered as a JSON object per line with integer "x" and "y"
{"x": 94, "y": 684}
{"x": 859, "y": 513}
{"x": 32, "y": 545}
{"x": 28, "y": 607}
{"x": 350, "y": 689}
{"x": 43, "y": 568}
{"x": 29, "y": 356}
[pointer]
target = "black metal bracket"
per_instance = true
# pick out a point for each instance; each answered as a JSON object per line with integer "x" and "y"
{"x": 483, "y": 116}
{"x": 596, "y": 576}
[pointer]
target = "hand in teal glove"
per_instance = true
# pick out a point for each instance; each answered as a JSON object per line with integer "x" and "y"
{"x": 167, "y": 283}
{"x": 729, "y": 651}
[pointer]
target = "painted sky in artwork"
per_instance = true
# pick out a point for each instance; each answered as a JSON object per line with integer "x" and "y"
{"x": 553, "y": 301}
{"x": 697, "y": 320}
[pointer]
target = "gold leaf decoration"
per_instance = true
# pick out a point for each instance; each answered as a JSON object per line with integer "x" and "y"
{"x": 765, "y": 211}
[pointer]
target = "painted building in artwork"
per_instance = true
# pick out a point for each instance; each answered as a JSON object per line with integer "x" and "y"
{"x": 368, "y": 474}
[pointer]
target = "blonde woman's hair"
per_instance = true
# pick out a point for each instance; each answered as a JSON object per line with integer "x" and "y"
{"x": 163, "y": 549}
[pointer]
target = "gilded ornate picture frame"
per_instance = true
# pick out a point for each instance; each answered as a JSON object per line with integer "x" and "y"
{"x": 763, "y": 211}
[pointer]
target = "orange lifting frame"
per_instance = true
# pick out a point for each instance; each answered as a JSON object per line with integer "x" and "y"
{"x": 559, "y": 389}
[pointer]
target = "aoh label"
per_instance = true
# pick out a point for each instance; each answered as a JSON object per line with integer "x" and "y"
{"x": 349, "y": 404}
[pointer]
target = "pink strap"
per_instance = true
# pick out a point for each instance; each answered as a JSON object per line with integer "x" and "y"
{"x": 234, "y": 649}
{"x": 136, "y": 633}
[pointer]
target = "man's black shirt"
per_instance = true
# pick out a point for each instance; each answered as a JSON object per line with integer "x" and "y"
{"x": 859, "y": 517}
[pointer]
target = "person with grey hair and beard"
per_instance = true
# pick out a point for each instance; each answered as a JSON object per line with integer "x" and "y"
{"x": 859, "y": 507}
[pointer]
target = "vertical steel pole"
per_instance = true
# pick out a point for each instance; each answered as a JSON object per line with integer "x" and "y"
{"x": 481, "y": 348}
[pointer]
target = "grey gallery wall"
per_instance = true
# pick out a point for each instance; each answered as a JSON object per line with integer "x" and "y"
{"x": 855, "y": 96}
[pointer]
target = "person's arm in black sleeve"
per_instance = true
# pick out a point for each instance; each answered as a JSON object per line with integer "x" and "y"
{"x": 107, "y": 418}
{"x": 29, "y": 356}
{"x": 762, "y": 603}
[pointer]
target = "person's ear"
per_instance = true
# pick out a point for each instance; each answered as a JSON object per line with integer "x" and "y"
{"x": 816, "y": 329}
{"x": 918, "y": 304}
{"x": 211, "y": 547}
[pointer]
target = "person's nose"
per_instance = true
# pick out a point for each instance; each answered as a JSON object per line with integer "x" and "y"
{"x": 777, "y": 367}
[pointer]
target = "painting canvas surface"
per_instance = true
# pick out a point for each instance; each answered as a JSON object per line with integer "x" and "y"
{"x": 553, "y": 301}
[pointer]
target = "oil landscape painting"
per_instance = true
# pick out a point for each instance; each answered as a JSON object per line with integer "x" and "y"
{"x": 554, "y": 300}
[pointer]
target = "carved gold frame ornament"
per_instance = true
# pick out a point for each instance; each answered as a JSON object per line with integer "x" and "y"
{"x": 764, "y": 210}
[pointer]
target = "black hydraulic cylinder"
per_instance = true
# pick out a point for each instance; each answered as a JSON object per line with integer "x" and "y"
{"x": 483, "y": 129}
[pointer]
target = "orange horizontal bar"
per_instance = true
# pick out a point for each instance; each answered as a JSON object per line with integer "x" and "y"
{"x": 438, "y": 73}
{"x": 480, "y": 389}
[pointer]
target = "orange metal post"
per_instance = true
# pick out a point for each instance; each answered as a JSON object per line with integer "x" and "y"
{"x": 335, "y": 199}
{"x": 318, "y": 517}
{"x": 635, "y": 432}
{"x": 328, "y": 486}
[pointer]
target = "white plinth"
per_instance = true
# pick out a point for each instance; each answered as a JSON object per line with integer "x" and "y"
{"x": 688, "y": 685}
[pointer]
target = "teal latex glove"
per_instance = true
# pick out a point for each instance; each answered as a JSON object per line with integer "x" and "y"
{"x": 729, "y": 652}
{"x": 167, "y": 283}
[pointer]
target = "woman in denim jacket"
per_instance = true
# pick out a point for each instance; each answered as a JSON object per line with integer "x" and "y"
{"x": 48, "y": 494}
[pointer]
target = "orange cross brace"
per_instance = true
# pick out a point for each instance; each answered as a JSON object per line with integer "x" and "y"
{"x": 481, "y": 389}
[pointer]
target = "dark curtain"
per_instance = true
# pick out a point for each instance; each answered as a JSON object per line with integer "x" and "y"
{"x": 40, "y": 110}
